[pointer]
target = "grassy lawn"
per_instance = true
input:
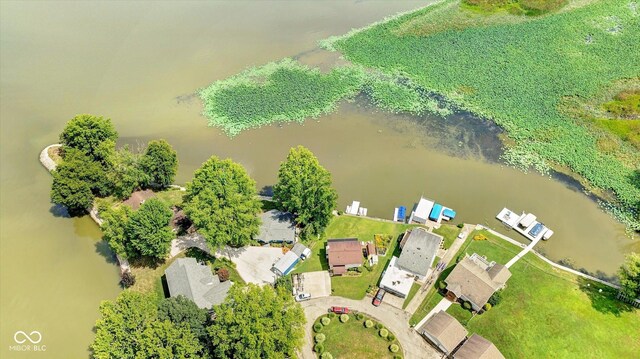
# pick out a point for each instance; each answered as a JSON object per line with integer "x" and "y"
{"x": 170, "y": 196}
{"x": 351, "y": 340}
{"x": 449, "y": 232}
{"x": 149, "y": 276}
{"x": 412, "y": 293}
{"x": 545, "y": 312}
{"x": 354, "y": 287}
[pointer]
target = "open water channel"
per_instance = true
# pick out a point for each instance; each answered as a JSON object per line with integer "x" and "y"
{"x": 139, "y": 64}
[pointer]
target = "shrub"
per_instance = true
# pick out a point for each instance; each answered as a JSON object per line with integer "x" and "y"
{"x": 379, "y": 326}
{"x": 466, "y": 305}
{"x": 391, "y": 337}
{"x": 487, "y": 306}
{"x": 359, "y": 316}
{"x": 223, "y": 274}
{"x": 368, "y": 323}
{"x": 326, "y": 355}
{"x": 127, "y": 279}
{"x": 460, "y": 225}
{"x": 496, "y": 298}
{"x": 442, "y": 285}
{"x": 319, "y": 348}
{"x": 332, "y": 315}
{"x": 320, "y": 338}
{"x": 344, "y": 318}
{"x": 383, "y": 333}
{"x": 394, "y": 348}
{"x": 325, "y": 320}
{"x": 317, "y": 327}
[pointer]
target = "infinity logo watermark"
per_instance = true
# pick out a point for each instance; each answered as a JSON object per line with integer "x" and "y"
{"x": 21, "y": 337}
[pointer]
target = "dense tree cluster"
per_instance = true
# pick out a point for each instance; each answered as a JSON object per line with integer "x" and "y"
{"x": 222, "y": 203}
{"x": 253, "y": 322}
{"x": 629, "y": 275}
{"x": 93, "y": 167}
{"x": 304, "y": 189}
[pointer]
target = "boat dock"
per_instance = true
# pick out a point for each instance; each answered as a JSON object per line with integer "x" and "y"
{"x": 525, "y": 224}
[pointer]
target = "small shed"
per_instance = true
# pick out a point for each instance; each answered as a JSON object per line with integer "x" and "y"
{"x": 301, "y": 251}
{"x": 285, "y": 264}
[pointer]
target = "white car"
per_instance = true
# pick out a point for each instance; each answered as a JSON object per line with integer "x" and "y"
{"x": 301, "y": 297}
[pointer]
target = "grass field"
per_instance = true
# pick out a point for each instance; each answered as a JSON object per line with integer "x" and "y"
{"x": 516, "y": 70}
{"x": 449, "y": 232}
{"x": 546, "y": 312}
{"x": 354, "y": 287}
{"x": 352, "y": 340}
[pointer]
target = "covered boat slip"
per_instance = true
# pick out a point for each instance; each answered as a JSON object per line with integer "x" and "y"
{"x": 525, "y": 224}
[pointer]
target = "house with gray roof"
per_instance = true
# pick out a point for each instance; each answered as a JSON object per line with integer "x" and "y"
{"x": 419, "y": 249}
{"x": 185, "y": 276}
{"x": 276, "y": 227}
{"x": 474, "y": 279}
{"x": 443, "y": 331}
{"x": 477, "y": 347}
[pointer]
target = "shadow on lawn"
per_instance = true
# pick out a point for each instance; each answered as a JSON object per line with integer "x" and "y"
{"x": 603, "y": 298}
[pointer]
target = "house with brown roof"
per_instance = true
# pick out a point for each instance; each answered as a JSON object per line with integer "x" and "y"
{"x": 474, "y": 279}
{"x": 477, "y": 347}
{"x": 443, "y": 331}
{"x": 343, "y": 254}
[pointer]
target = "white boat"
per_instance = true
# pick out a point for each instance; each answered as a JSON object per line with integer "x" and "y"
{"x": 526, "y": 224}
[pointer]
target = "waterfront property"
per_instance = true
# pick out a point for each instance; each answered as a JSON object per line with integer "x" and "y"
{"x": 474, "y": 279}
{"x": 444, "y": 332}
{"x": 276, "y": 227}
{"x": 428, "y": 210}
{"x": 186, "y": 277}
{"x": 419, "y": 248}
{"x": 525, "y": 224}
{"x": 344, "y": 254}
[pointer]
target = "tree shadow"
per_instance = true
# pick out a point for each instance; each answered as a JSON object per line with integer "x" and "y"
{"x": 146, "y": 262}
{"x": 322, "y": 254}
{"x": 59, "y": 211}
{"x": 266, "y": 191}
{"x": 232, "y": 252}
{"x": 603, "y": 298}
{"x": 103, "y": 249}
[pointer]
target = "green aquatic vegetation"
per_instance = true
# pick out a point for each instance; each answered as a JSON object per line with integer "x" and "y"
{"x": 277, "y": 92}
{"x": 396, "y": 95}
{"x": 516, "y": 73}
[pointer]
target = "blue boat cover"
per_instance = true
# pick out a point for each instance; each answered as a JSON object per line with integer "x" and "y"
{"x": 435, "y": 212}
{"x": 402, "y": 212}
{"x": 449, "y": 213}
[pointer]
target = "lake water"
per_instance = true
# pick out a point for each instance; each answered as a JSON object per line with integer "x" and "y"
{"x": 140, "y": 64}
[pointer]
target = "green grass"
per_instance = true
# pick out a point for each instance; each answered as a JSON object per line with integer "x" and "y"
{"x": 412, "y": 293}
{"x": 170, "y": 196}
{"x": 364, "y": 229}
{"x": 351, "y": 340}
{"x": 550, "y": 312}
{"x": 516, "y": 71}
{"x": 518, "y": 7}
{"x": 461, "y": 314}
{"x": 449, "y": 232}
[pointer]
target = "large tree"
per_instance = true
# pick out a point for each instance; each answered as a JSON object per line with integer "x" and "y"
{"x": 129, "y": 329}
{"x": 126, "y": 173}
{"x": 114, "y": 230}
{"x": 304, "y": 189}
{"x": 75, "y": 182}
{"x": 183, "y": 311}
{"x": 148, "y": 228}
{"x": 257, "y": 322}
{"x": 629, "y": 275}
{"x": 160, "y": 163}
{"x": 221, "y": 201}
{"x": 90, "y": 134}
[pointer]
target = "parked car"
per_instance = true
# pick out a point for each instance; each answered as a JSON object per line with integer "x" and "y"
{"x": 339, "y": 310}
{"x": 301, "y": 297}
{"x": 377, "y": 300}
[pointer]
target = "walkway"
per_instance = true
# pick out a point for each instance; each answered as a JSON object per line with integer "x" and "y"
{"x": 444, "y": 304}
{"x": 451, "y": 252}
{"x": 523, "y": 252}
{"x": 46, "y": 160}
{"x": 393, "y": 318}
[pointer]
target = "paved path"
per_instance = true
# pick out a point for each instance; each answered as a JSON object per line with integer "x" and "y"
{"x": 455, "y": 246}
{"x": 523, "y": 252}
{"x": 444, "y": 304}
{"x": 393, "y": 318}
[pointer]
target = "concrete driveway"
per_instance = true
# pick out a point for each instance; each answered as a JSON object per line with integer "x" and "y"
{"x": 318, "y": 284}
{"x": 254, "y": 263}
{"x": 396, "y": 320}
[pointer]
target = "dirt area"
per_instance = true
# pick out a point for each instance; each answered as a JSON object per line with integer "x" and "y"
{"x": 138, "y": 197}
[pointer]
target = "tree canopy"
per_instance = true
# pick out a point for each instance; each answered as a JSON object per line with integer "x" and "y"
{"x": 257, "y": 322}
{"x": 90, "y": 134}
{"x": 126, "y": 173}
{"x": 304, "y": 189}
{"x": 160, "y": 163}
{"x": 129, "y": 328}
{"x": 148, "y": 228}
{"x": 221, "y": 201}
{"x": 114, "y": 230}
{"x": 629, "y": 275}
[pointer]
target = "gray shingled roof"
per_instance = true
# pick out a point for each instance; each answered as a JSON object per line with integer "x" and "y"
{"x": 196, "y": 281}
{"x": 477, "y": 347}
{"x": 277, "y": 226}
{"x": 418, "y": 251}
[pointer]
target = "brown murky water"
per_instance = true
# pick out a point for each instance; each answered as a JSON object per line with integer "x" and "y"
{"x": 139, "y": 63}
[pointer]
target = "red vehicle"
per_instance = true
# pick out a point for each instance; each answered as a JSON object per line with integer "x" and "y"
{"x": 377, "y": 300}
{"x": 339, "y": 310}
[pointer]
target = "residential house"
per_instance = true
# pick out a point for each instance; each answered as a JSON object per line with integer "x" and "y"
{"x": 419, "y": 249}
{"x": 344, "y": 254}
{"x": 477, "y": 347}
{"x": 443, "y": 331}
{"x": 185, "y": 276}
{"x": 396, "y": 280}
{"x": 475, "y": 280}
{"x": 276, "y": 227}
